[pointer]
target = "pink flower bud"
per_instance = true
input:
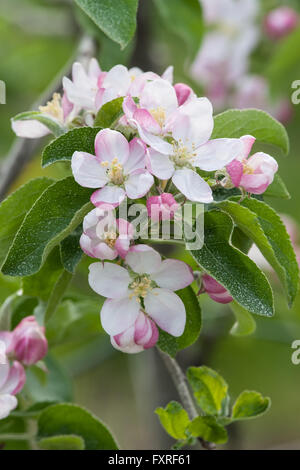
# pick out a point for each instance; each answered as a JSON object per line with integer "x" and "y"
{"x": 142, "y": 335}
{"x": 215, "y": 291}
{"x": 29, "y": 342}
{"x": 162, "y": 207}
{"x": 280, "y": 22}
{"x": 254, "y": 174}
{"x": 183, "y": 92}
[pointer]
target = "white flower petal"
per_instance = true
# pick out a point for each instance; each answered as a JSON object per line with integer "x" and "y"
{"x": 119, "y": 314}
{"x": 167, "y": 310}
{"x": 216, "y": 154}
{"x": 159, "y": 94}
{"x": 30, "y": 129}
{"x": 137, "y": 156}
{"x": 161, "y": 165}
{"x": 113, "y": 195}
{"x": 192, "y": 186}
{"x": 7, "y": 404}
{"x": 111, "y": 144}
{"x": 143, "y": 259}
{"x": 109, "y": 280}
{"x": 87, "y": 170}
{"x": 138, "y": 184}
{"x": 173, "y": 274}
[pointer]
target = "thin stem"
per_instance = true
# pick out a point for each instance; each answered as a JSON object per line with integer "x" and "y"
{"x": 182, "y": 388}
{"x": 57, "y": 293}
{"x": 162, "y": 242}
{"x": 15, "y": 437}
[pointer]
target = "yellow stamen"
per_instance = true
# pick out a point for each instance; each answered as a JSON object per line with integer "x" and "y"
{"x": 53, "y": 107}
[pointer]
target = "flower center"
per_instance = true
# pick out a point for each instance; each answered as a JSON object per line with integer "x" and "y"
{"x": 53, "y": 107}
{"x": 110, "y": 239}
{"x": 182, "y": 155}
{"x": 140, "y": 286}
{"x": 159, "y": 115}
{"x": 114, "y": 171}
{"x": 247, "y": 170}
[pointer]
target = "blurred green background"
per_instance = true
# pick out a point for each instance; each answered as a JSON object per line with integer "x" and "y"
{"x": 37, "y": 39}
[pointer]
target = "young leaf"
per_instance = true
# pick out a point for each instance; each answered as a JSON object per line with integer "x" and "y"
{"x": 174, "y": 419}
{"x": 24, "y": 307}
{"x": 250, "y": 405}
{"x": 184, "y": 17}
{"x": 80, "y": 139}
{"x": 234, "y": 123}
{"x": 210, "y": 389}
{"x": 66, "y": 419}
{"x": 245, "y": 323}
{"x": 57, "y": 293}
{"x": 14, "y": 209}
{"x": 55, "y": 215}
{"x": 261, "y": 223}
{"x": 109, "y": 113}
{"x": 68, "y": 442}
{"x": 172, "y": 345}
{"x": 208, "y": 429}
{"x": 70, "y": 250}
{"x": 116, "y": 19}
{"x": 53, "y": 124}
{"x": 245, "y": 282}
{"x": 277, "y": 189}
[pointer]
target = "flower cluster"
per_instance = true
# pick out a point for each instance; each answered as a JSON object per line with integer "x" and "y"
{"x": 160, "y": 148}
{"x": 24, "y": 346}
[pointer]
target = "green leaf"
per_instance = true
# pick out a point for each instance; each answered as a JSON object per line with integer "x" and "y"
{"x": 53, "y": 124}
{"x": 277, "y": 189}
{"x": 57, "y": 294}
{"x": 109, "y": 113}
{"x": 80, "y": 139}
{"x": 24, "y": 306}
{"x": 231, "y": 268}
{"x": 235, "y": 123}
{"x": 250, "y": 405}
{"x": 14, "y": 209}
{"x": 41, "y": 284}
{"x": 68, "y": 442}
{"x": 209, "y": 387}
{"x": 245, "y": 323}
{"x": 52, "y": 385}
{"x": 70, "y": 250}
{"x": 174, "y": 419}
{"x": 55, "y": 215}
{"x": 184, "y": 18}
{"x": 261, "y": 223}
{"x": 66, "y": 419}
{"x": 116, "y": 19}
{"x": 172, "y": 345}
{"x": 208, "y": 429}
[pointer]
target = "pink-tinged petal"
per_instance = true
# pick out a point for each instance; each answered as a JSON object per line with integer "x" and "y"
{"x": 125, "y": 229}
{"x": 192, "y": 186}
{"x": 103, "y": 251}
{"x": 146, "y": 121}
{"x": 7, "y": 404}
{"x": 109, "y": 280}
{"x": 130, "y": 348}
{"x": 218, "y": 153}
{"x": 111, "y": 144}
{"x": 168, "y": 74}
{"x": 90, "y": 222}
{"x": 122, "y": 247}
{"x": 255, "y": 184}
{"x": 248, "y": 142}
{"x": 199, "y": 125}
{"x": 15, "y": 380}
{"x": 4, "y": 371}
{"x": 113, "y": 195}
{"x": 261, "y": 162}
{"x": 235, "y": 170}
{"x": 94, "y": 70}
{"x": 30, "y": 129}
{"x": 173, "y": 275}
{"x": 154, "y": 337}
{"x": 87, "y": 170}
{"x": 138, "y": 184}
{"x": 161, "y": 207}
{"x": 67, "y": 106}
{"x": 183, "y": 92}
{"x": 143, "y": 259}
{"x": 86, "y": 245}
{"x": 119, "y": 314}
{"x": 222, "y": 298}
{"x": 159, "y": 94}
{"x": 157, "y": 143}
{"x": 137, "y": 156}
{"x": 211, "y": 285}
{"x": 99, "y": 98}
{"x": 160, "y": 165}
{"x": 118, "y": 78}
{"x": 167, "y": 310}
{"x": 129, "y": 107}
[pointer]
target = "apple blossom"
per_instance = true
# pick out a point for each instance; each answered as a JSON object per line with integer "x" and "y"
{"x": 12, "y": 380}
{"x": 118, "y": 168}
{"x": 29, "y": 343}
{"x": 188, "y": 148}
{"x": 216, "y": 291}
{"x": 103, "y": 242}
{"x": 255, "y": 173}
{"x": 162, "y": 207}
{"x": 148, "y": 283}
{"x": 143, "y": 334}
{"x": 280, "y": 22}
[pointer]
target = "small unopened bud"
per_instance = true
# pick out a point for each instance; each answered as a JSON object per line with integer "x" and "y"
{"x": 29, "y": 342}
{"x": 162, "y": 207}
{"x": 215, "y": 291}
{"x": 280, "y": 22}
